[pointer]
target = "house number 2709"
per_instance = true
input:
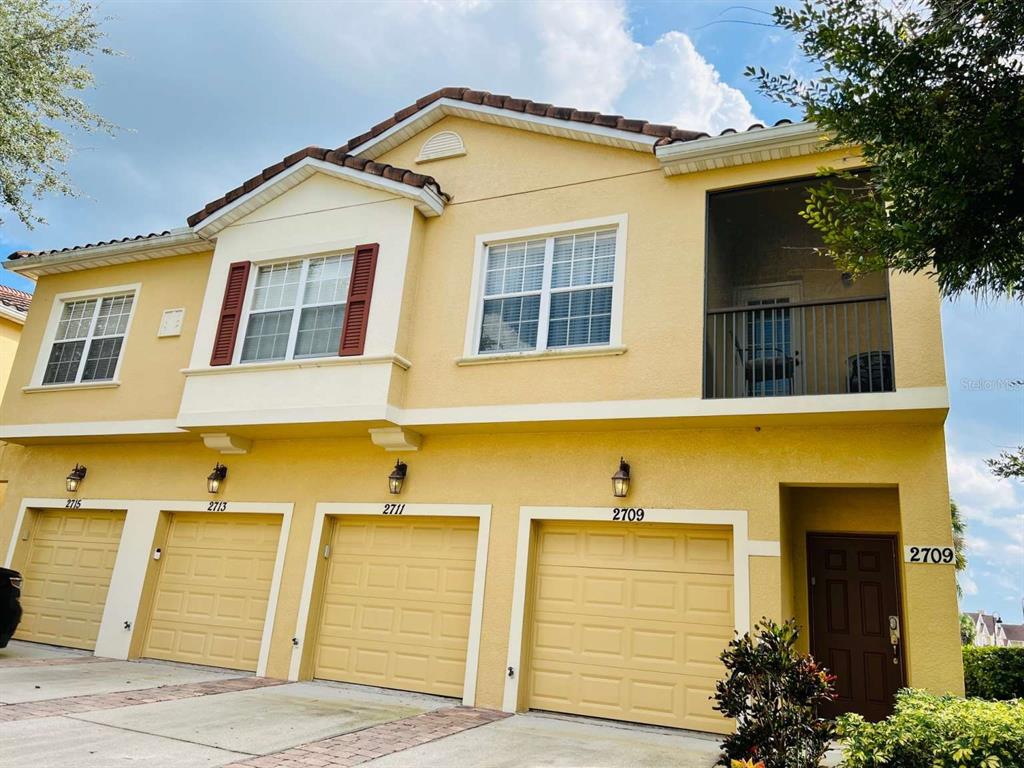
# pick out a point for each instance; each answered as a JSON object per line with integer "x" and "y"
{"x": 628, "y": 514}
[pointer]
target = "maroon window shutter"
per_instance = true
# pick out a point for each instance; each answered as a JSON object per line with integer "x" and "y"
{"x": 230, "y": 313}
{"x": 357, "y": 310}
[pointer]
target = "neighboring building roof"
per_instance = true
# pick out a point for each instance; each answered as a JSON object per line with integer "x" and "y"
{"x": 1014, "y": 632}
{"x": 335, "y": 157}
{"x": 14, "y": 299}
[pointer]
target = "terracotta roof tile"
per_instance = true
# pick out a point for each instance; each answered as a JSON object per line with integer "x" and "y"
{"x": 667, "y": 134}
{"x": 15, "y": 299}
{"x": 335, "y": 157}
{"x": 26, "y": 254}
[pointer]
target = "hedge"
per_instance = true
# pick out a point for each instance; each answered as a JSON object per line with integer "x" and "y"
{"x": 994, "y": 673}
{"x": 928, "y": 731}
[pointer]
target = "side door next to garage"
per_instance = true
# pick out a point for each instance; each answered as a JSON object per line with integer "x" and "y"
{"x": 629, "y": 620}
{"x": 67, "y": 571}
{"x": 212, "y": 589}
{"x": 395, "y": 609}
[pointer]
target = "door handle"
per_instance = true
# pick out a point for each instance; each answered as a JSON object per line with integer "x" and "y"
{"x": 894, "y": 638}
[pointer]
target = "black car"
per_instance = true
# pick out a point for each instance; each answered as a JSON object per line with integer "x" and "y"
{"x": 10, "y": 604}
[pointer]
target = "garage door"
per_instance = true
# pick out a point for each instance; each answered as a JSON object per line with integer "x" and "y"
{"x": 67, "y": 574}
{"x": 212, "y": 589}
{"x": 628, "y": 621}
{"x": 396, "y": 603}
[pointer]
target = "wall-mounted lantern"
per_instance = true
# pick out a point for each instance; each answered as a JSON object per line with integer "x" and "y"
{"x": 397, "y": 477}
{"x": 215, "y": 478}
{"x": 620, "y": 480}
{"x": 75, "y": 478}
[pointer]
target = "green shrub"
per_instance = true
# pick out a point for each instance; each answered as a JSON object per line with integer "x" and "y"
{"x": 773, "y": 692}
{"x": 994, "y": 673}
{"x": 937, "y": 732}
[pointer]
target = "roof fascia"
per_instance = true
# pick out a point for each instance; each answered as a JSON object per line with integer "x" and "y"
{"x": 178, "y": 242}
{"x": 733, "y": 149}
{"x": 426, "y": 117}
{"x": 427, "y": 202}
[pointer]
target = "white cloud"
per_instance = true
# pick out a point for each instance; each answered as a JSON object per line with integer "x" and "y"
{"x": 580, "y": 55}
{"x": 587, "y": 52}
{"x": 675, "y": 84}
{"x": 994, "y": 511}
{"x": 967, "y": 583}
{"x": 975, "y": 488}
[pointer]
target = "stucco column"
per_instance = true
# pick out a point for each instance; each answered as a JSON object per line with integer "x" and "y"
{"x": 931, "y": 632}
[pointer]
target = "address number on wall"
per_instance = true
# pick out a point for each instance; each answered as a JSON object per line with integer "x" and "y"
{"x": 930, "y": 555}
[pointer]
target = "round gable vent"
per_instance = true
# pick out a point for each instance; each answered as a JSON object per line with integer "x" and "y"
{"x": 443, "y": 144}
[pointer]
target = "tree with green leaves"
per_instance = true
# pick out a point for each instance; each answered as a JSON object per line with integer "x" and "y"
{"x": 42, "y": 47}
{"x": 967, "y": 630}
{"x": 932, "y": 92}
{"x": 1009, "y": 464}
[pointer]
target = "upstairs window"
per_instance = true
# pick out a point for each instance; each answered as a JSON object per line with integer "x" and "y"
{"x": 297, "y": 309}
{"x": 88, "y": 339}
{"x": 548, "y": 293}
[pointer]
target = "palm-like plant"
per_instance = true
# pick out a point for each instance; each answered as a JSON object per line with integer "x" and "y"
{"x": 959, "y": 542}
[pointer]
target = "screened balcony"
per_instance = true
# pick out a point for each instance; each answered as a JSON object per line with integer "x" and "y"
{"x": 780, "y": 318}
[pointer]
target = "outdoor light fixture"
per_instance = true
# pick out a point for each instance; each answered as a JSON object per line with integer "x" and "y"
{"x": 620, "y": 480}
{"x": 215, "y": 478}
{"x": 75, "y": 478}
{"x": 397, "y": 477}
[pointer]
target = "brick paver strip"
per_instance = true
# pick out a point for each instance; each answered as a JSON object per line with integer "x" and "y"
{"x": 51, "y": 662}
{"x": 357, "y": 747}
{"x": 74, "y": 704}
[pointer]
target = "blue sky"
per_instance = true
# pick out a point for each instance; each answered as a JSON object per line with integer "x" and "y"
{"x": 209, "y": 93}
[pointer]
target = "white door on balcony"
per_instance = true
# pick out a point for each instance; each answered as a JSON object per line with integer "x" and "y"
{"x": 770, "y": 342}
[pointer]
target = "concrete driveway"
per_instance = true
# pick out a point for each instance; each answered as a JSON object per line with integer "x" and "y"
{"x": 66, "y": 708}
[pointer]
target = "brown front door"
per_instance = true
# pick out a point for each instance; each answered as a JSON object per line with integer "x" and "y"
{"x": 854, "y": 595}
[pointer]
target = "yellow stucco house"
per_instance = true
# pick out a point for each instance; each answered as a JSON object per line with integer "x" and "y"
{"x": 359, "y": 420}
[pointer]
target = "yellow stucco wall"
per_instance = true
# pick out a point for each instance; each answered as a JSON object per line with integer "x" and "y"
{"x": 151, "y": 380}
{"x": 509, "y": 180}
{"x": 738, "y": 469}
{"x": 10, "y": 334}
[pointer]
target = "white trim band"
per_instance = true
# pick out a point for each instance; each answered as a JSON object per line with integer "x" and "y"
{"x": 568, "y": 129}
{"x": 175, "y": 243}
{"x": 752, "y": 146}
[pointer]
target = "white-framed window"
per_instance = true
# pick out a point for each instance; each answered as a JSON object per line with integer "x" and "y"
{"x": 295, "y": 309}
{"x": 552, "y": 291}
{"x": 85, "y": 340}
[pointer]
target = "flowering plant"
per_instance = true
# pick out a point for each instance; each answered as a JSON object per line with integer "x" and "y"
{"x": 773, "y": 692}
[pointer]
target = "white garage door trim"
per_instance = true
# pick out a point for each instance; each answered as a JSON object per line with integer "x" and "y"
{"x": 380, "y": 508}
{"x": 743, "y": 549}
{"x": 135, "y": 550}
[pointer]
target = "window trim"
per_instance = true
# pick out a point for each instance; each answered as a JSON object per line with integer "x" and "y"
{"x": 293, "y": 331}
{"x": 50, "y": 335}
{"x": 474, "y": 321}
